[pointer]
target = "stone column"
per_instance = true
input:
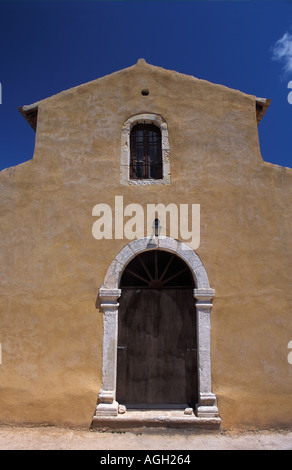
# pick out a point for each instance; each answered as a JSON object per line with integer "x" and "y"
{"x": 107, "y": 404}
{"x": 207, "y": 406}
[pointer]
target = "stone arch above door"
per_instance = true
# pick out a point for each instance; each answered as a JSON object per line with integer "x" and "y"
{"x": 110, "y": 292}
{"x": 182, "y": 250}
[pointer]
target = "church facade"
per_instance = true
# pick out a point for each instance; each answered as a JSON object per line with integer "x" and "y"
{"x": 146, "y": 260}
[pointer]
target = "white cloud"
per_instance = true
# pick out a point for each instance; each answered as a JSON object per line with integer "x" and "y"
{"x": 282, "y": 51}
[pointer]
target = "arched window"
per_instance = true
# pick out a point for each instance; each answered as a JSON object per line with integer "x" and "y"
{"x": 145, "y": 152}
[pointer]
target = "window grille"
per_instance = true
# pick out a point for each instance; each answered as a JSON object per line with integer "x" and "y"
{"x": 145, "y": 152}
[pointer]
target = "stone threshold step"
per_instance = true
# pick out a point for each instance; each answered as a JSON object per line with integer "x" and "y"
{"x": 154, "y": 419}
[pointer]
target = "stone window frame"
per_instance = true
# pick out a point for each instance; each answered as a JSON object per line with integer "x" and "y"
{"x": 147, "y": 118}
{"x": 109, "y": 294}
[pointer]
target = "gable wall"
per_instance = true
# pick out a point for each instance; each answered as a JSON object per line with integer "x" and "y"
{"x": 51, "y": 266}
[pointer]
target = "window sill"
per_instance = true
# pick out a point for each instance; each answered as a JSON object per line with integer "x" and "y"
{"x": 145, "y": 182}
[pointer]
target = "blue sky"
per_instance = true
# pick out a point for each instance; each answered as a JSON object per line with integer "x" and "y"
{"x": 50, "y": 46}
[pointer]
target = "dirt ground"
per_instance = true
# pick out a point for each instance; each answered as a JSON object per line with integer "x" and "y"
{"x": 51, "y": 438}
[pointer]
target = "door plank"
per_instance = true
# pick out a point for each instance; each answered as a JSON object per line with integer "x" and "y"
{"x": 157, "y": 364}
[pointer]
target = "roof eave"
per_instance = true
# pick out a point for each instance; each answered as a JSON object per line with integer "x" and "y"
{"x": 262, "y": 105}
{"x": 30, "y": 113}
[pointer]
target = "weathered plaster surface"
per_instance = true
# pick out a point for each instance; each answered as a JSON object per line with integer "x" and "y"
{"x": 51, "y": 267}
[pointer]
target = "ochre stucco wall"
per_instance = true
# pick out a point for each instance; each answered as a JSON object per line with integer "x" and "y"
{"x": 51, "y": 266}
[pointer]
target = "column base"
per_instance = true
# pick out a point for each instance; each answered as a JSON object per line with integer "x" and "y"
{"x": 107, "y": 409}
{"x": 207, "y": 406}
{"x": 207, "y": 411}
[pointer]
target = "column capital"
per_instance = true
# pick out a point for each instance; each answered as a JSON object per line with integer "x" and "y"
{"x": 204, "y": 298}
{"x": 204, "y": 295}
{"x": 109, "y": 295}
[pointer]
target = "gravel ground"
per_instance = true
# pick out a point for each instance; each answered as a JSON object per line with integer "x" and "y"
{"x": 52, "y": 438}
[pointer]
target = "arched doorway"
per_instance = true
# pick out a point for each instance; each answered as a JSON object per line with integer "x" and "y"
{"x": 157, "y": 345}
{"x": 110, "y": 294}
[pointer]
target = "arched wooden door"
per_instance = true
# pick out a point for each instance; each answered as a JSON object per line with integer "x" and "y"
{"x": 157, "y": 351}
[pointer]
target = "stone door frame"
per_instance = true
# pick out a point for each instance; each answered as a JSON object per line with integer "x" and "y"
{"x": 109, "y": 294}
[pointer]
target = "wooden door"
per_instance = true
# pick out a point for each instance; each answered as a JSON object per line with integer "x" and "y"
{"x": 157, "y": 360}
